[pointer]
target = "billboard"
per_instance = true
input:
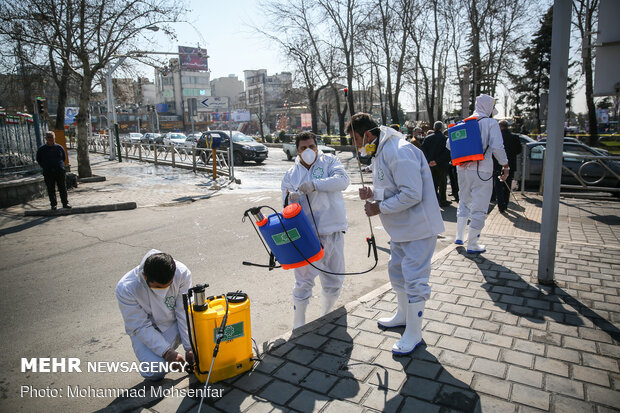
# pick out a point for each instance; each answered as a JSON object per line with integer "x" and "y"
{"x": 193, "y": 58}
{"x": 70, "y": 114}
{"x": 306, "y": 120}
{"x": 241, "y": 115}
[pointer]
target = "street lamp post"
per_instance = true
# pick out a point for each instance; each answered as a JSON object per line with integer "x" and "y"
{"x": 112, "y": 117}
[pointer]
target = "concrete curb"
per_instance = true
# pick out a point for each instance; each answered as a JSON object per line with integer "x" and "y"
{"x": 81, "y": 210}
{"x": 94, "y": 178}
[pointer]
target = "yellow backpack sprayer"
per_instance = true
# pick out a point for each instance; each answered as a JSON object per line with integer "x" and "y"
{"x": 220, "y": 333}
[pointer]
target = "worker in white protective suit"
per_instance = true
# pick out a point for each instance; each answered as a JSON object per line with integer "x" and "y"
{"x": 403, "y": 195}
{"x": 321, "y": 178}
{"x": 150, "y": 298}
{"x": 475, "y": 178}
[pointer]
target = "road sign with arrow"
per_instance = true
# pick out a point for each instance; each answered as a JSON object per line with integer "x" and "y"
{"x": 215, "y": 102}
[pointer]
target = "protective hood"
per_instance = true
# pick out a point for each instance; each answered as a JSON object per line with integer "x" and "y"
{"x": 485, "y": 106}
{"x": 141, "y": 267}
{"x": 387, "y": 134}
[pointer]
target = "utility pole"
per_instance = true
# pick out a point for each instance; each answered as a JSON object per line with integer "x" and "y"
{"x": 560, "y": 40}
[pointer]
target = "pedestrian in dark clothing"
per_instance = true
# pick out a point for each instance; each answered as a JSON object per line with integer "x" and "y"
{"x": 51, "y": 157}
{"x": 454, "y": 181}
{"x": 438, "y": 157}
{"x": 512, "y": 146}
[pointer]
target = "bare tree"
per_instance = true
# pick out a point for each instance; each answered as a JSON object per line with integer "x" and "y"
{"x": 495, "y": 29}
{"x": 86, "y": 35}
{"x": 586, "y": 17}
{"x": 391, "y": 36}
{"x": 295, "y": 36}
{"x": 308, "y": 20}
{"x": 46, "y": 28}
{"x": 432, "y": 40}
{"x": 344, "y": 17}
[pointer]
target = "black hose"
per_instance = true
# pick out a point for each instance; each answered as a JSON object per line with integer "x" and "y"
{"x": 370, "y": 241}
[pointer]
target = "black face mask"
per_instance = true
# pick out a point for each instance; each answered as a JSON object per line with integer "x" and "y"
{"x": 365, "y": 160}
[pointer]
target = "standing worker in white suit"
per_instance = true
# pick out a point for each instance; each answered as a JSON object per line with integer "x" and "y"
{"x": 475, "y": 177}
{"x": 403, "y": 195}
{"x": 322, "y": 178}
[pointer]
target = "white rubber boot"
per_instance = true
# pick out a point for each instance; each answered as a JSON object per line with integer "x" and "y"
{"x": 400, "y": 318}
{"x": 327, "y": 302}
{"x": 461, "y": 226}
{"x": 472, "y": 242}
{"x": 299, "y": 308}
{"x": 412, "y": 336}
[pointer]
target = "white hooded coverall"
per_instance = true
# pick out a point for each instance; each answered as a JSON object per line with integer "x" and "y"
{"x": 475, "y": 185}
{"x": 155, "y": 323}
{"x": 330, "y": 179}
{"x": 403, "y": 186}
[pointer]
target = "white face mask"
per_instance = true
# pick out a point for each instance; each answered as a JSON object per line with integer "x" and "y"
{"x": 308, "y": 156}
{"x": 160, "y": 292}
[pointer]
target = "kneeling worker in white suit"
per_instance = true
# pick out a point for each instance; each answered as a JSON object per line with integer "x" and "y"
{"x": 403, "y": 195}
{"x": 475, "y": 178}
{"x": 150, "y": 298}
{"x": 322, "y": 178}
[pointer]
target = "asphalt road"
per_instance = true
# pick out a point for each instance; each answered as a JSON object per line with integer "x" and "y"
{"x": 59, "y": 275}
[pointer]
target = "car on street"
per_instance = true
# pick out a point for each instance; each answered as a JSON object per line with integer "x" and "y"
{"x": 291, "y": 150}
{"x": 192, "y": 140}
{"x": 135, "y": 137}
{"x": 245, "y": 148}
{"x": 152, "y": 137}
{"x": 568, "y": 139}
{"x": 525, "y": 139}
{"x": 593, "y": 172}
{"x": 175, "y": 138}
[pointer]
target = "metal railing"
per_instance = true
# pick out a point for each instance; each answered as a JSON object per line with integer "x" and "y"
{"x": 584, "y": 175}
{"x": 196, "y": 159}
{"x": 18, "y": 144}
{"x": 584, "y": 182}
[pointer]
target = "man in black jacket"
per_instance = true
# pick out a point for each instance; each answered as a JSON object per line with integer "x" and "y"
{"x": 51, "y": 157}
{"x": 438, "y": 157}
{"x": 512, "y": 146}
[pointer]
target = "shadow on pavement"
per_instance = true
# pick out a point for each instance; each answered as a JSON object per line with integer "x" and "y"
{"x": 317, "y": 361}
{"x": 586, "y": 312}
{"x": 512, "y": 294}
{"x": 25, "y": 225}
{"x": 520, "y": 221}
{"x": 431, "y": 387}
{"x": 449, "y": 213}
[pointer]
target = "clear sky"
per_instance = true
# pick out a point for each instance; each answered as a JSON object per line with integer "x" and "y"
{"x": 224, "y": 29}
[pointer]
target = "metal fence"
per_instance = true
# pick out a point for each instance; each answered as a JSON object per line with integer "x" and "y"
{"x": 580, "y": 172}
{"x": 18, "y": 142}
{"x": 196, "y": 159}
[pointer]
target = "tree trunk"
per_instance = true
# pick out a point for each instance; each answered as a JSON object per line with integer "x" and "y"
{"x": 314, "y": 111}
{"x": 84, "y": 170}
{"x": 62, "y": 98}
{"x": 592, "y": 123}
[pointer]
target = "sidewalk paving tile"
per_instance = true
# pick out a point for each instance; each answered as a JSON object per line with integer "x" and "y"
{"x": 491, "y": 386}
{"x": 383, "y": 400}
{"x": 494, "y": 339}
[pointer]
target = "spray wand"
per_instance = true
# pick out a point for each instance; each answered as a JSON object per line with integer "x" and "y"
{"x": 369, "y": 240}
{"x": 517, "y": 202}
